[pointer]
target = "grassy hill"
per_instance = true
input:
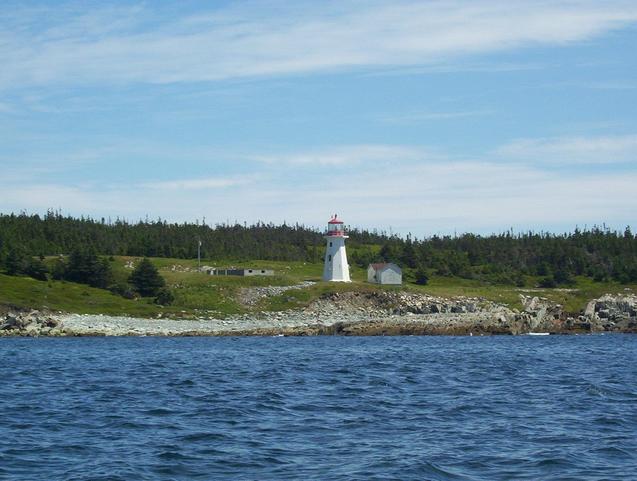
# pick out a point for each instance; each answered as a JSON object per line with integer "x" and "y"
{"x": 198, "y": 294}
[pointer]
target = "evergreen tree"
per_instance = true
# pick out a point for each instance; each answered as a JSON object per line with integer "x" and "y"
{"x": 146, "y": 279}
{"x": 85, "y": 267}
{"x": 16, "y": 261}
{"x": 58, "y": 271}
{"x": 103, "y": 275}
{"x": 408, "y": 256}
{"x": 387, "y": 253}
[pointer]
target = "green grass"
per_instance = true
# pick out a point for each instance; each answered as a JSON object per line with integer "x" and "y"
{"x": 27, "y": 293}
{"x": 292, "y": 299}
{"x": 453, "y": 287}
{"x": 574, "y": 298}
{"x": 217, "y": 295}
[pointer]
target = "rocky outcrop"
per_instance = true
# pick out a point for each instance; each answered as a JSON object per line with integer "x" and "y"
{"x": 250, "y": 296}
{"x": 539, "y": 314}
{"x": 611, "y": 313}
{"x": 383, "y": 303}
{"x": 32, "y": 323}
{"x": 390, "y": 312}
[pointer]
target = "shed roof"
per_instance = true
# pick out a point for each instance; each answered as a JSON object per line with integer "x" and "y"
{"x": 383, "y": 265}
{"x": 378, "y": 265}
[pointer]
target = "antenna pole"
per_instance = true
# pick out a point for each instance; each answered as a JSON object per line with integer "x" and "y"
{"x": 199, "y": 254}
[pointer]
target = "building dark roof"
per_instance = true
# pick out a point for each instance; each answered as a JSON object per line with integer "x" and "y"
{"x": 381, "y": 265}
{"x": 378, "y": 265}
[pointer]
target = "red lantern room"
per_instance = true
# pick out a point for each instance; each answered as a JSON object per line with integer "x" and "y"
{"x": 335, "y": 227}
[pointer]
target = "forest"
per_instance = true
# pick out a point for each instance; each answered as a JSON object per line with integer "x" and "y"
{"x": 509, "y": 258}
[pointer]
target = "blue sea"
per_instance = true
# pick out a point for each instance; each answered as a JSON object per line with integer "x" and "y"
{"x": 333, "y": 408}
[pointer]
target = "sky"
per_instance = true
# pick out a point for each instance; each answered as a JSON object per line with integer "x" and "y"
{"x": 421, "y": 117}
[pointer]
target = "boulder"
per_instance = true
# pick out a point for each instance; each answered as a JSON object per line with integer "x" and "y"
{"x": 616, "y": 312}
{"x": 590, "y": 308}
{"x": 32, "y": 323}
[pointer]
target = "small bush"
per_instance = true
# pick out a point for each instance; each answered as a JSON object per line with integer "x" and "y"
{"x": 37, "y": 270}
{"x": 123, "y": 289}
{"x": 164, "y": 297}
{"x": 421, "y": 277}
{"x": 548, "y": 282}
{"x": 58, "y": 270}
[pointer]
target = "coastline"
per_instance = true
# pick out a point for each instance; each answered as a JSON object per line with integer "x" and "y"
{"x": 360, "y": 314}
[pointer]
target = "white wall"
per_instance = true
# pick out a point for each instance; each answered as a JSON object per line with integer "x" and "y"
{"x": 390, "y": 276}
{"x": 336, "y": 267}
{"x": 370, "y": 274}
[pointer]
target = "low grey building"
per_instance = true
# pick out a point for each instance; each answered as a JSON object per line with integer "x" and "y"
{"x": 385, "y": 273}
{"x": 240, "y": 272}
{"x": 256, "y": 272}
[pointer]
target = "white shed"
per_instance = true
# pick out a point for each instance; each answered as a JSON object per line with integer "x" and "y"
{"x": 386, "y": 273}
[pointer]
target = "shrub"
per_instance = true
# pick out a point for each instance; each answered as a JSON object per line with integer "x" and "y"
{"x": 548, "y": 282}
{"x": 421, "y": 277}
{"x": 164, "y": 297}
{"x": 123, "y": 289}
{"x": 37, "y": 270}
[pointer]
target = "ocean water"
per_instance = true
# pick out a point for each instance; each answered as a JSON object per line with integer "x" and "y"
{"x": 421, "y": 408}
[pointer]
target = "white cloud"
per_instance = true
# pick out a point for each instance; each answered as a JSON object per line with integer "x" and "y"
{"x": 198, "y": 184}
{"x": 250, "y": 39}
{"x": 345, "y": 156}
{"x": 439, "y": 195}
{"x": 467, "y": 196}
{"x": 487, "y": 67}
{"x": 573, "y": 150}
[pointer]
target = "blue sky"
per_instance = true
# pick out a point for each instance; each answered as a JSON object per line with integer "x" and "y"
{"x": 424, "y": 117}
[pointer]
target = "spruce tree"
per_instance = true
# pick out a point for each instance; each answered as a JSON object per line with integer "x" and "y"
{"x": 85, "y": 267}
{"x": 146, "y": 279}
{"x": 16, "y": 261}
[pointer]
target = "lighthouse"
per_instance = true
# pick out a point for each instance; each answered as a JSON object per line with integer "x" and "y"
{"x": 336, "y": 268}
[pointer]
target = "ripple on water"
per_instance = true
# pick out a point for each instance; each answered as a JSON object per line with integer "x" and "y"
{"x": 491, "y": 408}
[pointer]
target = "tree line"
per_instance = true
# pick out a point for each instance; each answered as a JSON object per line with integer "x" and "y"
{"x": 554, "y": 259}
{"x": 507, "y": 258}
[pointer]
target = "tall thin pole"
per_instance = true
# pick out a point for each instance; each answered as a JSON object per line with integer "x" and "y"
{"x": 199, "y": 254}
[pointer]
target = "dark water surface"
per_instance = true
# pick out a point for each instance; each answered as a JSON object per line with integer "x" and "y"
{"x": 422, "y": 408}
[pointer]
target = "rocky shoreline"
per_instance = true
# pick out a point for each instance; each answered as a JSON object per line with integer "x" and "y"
{"x": 353, "y": 313}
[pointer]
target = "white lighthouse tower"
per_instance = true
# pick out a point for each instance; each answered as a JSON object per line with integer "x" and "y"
{"x": 336, "y": 267}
